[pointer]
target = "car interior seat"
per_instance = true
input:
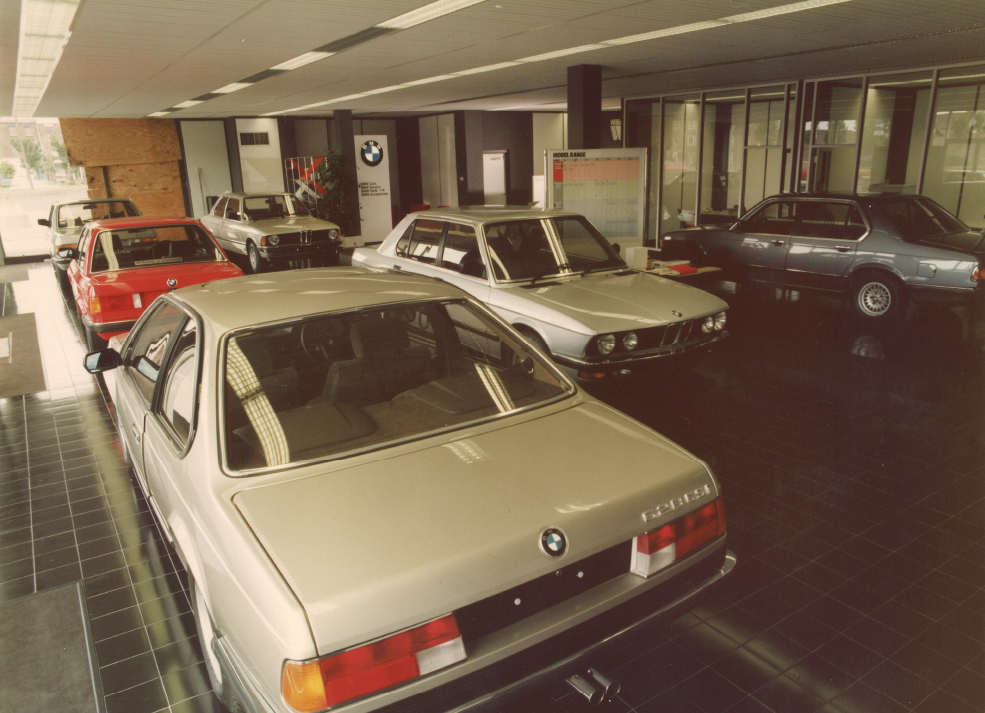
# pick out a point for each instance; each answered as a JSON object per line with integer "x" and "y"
{"x": 385, "y": 364}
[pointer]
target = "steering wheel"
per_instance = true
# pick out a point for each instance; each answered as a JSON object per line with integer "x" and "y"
{"x": 316, "y": 337}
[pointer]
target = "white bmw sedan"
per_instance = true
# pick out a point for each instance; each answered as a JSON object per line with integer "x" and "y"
{"x": 386, "y": 499}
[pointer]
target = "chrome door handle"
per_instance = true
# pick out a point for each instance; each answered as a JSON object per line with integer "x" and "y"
{"x": 842, "y": 248}
{"x": 778, "y": 242}
{"x": 135, "y": 431}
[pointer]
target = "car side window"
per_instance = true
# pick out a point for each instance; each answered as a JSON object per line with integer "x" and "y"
{"x": 219, "y": 208}
{"x": 180, "y": 385}
{"x": 424, "y": 241}
{"x": 773, "y": 219}
{"x": 461, "y": 251}
{"x": 232, "y": 209}
{"x": 145, "y": 355}
{"x": 834, "y": 221}
{"x": 83, "y": 247}
{"x": 404, "y": 242}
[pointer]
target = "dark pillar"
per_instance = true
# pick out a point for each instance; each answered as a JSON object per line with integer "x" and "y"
{"x": 898, "y": 151}
{"x": 585, "y": 106}
{"x": 287, "y": 131}
{"x": 409, "y": 163}
{"x": 343, "y": 140}
{"x": 232, "y": 151}
{"x": 468, "y": 158}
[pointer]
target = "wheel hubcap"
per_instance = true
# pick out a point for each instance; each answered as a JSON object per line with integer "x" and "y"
{"x": 874, "y": 299}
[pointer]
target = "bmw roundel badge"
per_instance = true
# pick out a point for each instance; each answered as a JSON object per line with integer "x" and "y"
{"x": 371, "y": 153}
{"x": 172, "y": 282}
{"x": 553, "y": 542}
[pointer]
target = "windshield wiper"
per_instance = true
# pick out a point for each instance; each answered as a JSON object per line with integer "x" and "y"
{"x": 604, "y": 265}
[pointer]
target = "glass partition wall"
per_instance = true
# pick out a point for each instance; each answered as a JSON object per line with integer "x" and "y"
{"x": 714, "y": 155}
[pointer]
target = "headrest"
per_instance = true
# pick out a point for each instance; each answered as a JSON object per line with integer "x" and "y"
{"x": 376, "y": 337}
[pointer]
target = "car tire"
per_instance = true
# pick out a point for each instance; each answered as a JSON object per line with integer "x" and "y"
{"x": 876, "y": 296}
{"x": 256, "y": 261}
{"x": 206, "y": 637}
{"x": 95, "y": 342}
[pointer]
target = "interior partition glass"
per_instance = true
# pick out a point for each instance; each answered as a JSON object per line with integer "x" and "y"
{"x": 681, "y": 132}
{"x": 893, "y": 132}
{"x": 954, "y": 175}
{"x": 721, "y": 157}
{"x": 835, "y": 135}
{"x": 764, "y": 150}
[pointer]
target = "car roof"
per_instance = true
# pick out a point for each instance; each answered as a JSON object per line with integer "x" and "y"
{"x": 280, "y": 296}
{"x": 847, "y": 195}
{"x": 254, "y": 194}
{"x": 492, "y": 214}
{"x": 141, "y": 221}
{"x": 82, "y": 201}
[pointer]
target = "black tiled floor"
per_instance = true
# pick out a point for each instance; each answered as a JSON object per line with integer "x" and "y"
{"x": 853, "y": 464}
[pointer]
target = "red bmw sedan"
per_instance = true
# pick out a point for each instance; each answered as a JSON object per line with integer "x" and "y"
{"x": 121, "y": 265}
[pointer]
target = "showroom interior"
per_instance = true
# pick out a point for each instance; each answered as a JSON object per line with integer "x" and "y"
{"x": 851, "y": 454}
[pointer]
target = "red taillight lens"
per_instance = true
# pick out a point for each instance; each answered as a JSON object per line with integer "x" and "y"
{"x": 110, "y": 303}
{"x": 373, "y": 667}
{"x": 976, "y": 274}
{"x": 659, "y": 548}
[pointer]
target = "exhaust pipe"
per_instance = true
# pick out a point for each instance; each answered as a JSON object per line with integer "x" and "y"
{"x": 609, "y": 687}
{"x": 590, "y": 693}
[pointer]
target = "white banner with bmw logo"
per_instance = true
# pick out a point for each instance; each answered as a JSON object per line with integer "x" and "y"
{"x": 373, "y": 175}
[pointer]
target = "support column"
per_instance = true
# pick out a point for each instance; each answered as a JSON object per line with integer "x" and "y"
{"x": 232, "y": 151}
{"x": 585, "y": 106}
{"x": 344, "y": 141}
{"x": 468, "y": 158}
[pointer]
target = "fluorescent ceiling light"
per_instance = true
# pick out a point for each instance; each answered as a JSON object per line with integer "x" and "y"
{"x": 487, "y": 68}
{"x": 560, "y": 53}
{"x": 230, "y": 88}
{"x": 190, "y": 102}
{"x": 781, "y": 10}
{"x": 44, "y": 31}
{"x": 160, "y": 113}
{"x": 439, "y": 78}
{"x": 429, "y": 12}
{"x": 302, "y": 60}
{"x": 679, "y": 30}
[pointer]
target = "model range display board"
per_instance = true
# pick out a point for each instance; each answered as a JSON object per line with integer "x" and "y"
{"x": 607, "y": 186}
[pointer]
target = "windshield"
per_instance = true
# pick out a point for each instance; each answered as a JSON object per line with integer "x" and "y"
{"x": 524, "y": 249}
{"x": 338, "y": 383}
{"x": 75, "y": 215}
{"x": 151, "y": 245}
{"x": 916, "y": 218}
{"x": 276, "y": 206}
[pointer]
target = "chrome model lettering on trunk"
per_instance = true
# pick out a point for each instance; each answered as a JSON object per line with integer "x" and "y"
{"x": 678, "y": 502}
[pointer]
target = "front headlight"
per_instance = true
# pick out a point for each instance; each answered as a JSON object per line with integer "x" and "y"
{"x": 274, "y": 240}
{"x": 333, "y": 234}
{"x": 629, "y": 341}
{"x": 606, "y": 343}
{"x": 719, "y": 321}
{"x": 708, "y": 324}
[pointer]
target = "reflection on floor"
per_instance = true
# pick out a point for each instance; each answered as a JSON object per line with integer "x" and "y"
{"x": 852, "y": 463}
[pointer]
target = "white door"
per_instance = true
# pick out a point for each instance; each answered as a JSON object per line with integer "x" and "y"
{"x": 494, "y": 177}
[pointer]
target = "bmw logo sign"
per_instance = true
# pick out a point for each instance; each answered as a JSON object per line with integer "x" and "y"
{"x": 172, "y": 282}
{"x": 371, "y": 153}
{"x": 553, "y": 542}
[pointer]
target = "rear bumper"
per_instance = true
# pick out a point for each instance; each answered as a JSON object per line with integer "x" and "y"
{"x": 946, "y": 295}
{"x": 107, "y": 329}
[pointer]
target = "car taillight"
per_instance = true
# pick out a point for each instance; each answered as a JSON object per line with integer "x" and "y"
{"x": 110, "y": 303}
{"x": 976, "y": 274}
{"x": 654, "y": 550}
{"x": 321, "y": 683}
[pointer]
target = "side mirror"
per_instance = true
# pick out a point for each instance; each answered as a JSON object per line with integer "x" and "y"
{"x": 67, "y": 253}
{"x": 103, "y": 360}
{"x": 617, "y": 248}
{"x": 45, "y": 222}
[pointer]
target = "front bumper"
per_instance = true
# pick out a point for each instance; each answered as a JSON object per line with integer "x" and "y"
{"x": 642, "y": 363}
{"x": 284, "y": 253}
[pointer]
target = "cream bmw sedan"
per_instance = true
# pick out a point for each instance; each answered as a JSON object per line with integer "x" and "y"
{"x": 385, "y": 498}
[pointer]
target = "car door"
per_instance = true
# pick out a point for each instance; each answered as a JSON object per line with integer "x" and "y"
{"x": 76, "y": 271}
{"x": 232, "y": 226}
{"x": 213, "y": 220}
{"x": 144, "y": 353}
{"x": 759, "y": 241}
{"x": 824, "y": 242}
{"x": 169, "y": 425}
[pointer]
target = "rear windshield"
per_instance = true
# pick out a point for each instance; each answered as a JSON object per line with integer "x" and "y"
{"x": 339, "y": 383}
{"x": 916, "y": 218}
{"x": 152, "y": 245}
{"x": 75, "y": 215}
